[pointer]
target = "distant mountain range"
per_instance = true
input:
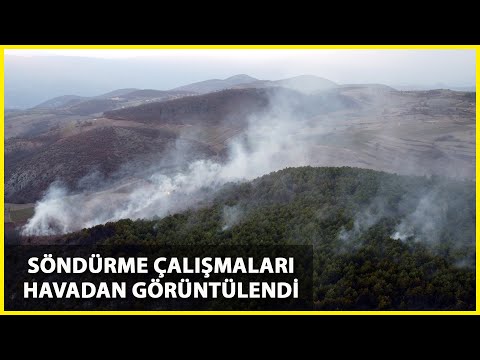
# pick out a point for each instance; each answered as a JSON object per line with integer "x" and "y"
{"x": 303, "y": 83}
{"x": 70, "y": 101}
{"x": 306, "y": 84}
{"x": 65, "y": 108}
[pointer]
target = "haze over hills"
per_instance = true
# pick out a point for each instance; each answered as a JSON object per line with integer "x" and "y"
{"x": 120, "y": 95}
{"x": 307, "y": 83}
{"x": 372, "y": 126}
{"x": 61, "y": 110}
{"x": 68, "y": 109}
{"x": 302, "y": 83}
{"x": 33, "y": 77}
{"x": 60, "y": 101}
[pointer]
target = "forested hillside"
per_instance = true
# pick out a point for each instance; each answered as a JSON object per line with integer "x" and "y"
{"x": 381, "y": 241}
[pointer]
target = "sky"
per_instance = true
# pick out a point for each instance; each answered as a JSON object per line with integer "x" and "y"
{"x": 32, "y": 76}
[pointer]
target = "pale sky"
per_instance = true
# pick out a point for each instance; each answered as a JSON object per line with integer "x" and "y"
{"x": 90, "y": 72}
{"x": 386, "y": 66}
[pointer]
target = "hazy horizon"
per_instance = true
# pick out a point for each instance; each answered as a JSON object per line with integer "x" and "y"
{"x": 34, "y": 76}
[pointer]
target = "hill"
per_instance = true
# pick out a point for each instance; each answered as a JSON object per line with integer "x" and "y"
{"x": 212, "y": 85}
{"x": 185, "y": 128}
{"x": 227, "y": 106}
{"x": 60, "y": 101}
{"x": 303, "y": 83}
{"x": 68, "y": 100}
{"x": 68, "y": 109}
{"x": 104, "y": 150}
{"x": 381, "y": 241}
{"x": 307, "y": 83}
{"x": 115, "y": 93}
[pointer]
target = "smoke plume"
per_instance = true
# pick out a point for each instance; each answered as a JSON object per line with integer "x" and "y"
{"x": 271, "y": 142}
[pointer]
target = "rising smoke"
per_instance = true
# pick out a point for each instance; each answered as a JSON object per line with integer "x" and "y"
{"x": 271, "y": 142}
{"x": 232, "y": 215}
{"x": 426, "y": 221}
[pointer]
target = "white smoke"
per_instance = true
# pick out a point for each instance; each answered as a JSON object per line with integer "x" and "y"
{"x": 365, "y": 219}
{"x": 232, "y": 215}
{"x": 271, "y": 142}
{"x": 426, "y": 222}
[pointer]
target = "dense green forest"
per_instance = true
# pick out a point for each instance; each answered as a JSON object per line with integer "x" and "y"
{"x": 381, "y": 241}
